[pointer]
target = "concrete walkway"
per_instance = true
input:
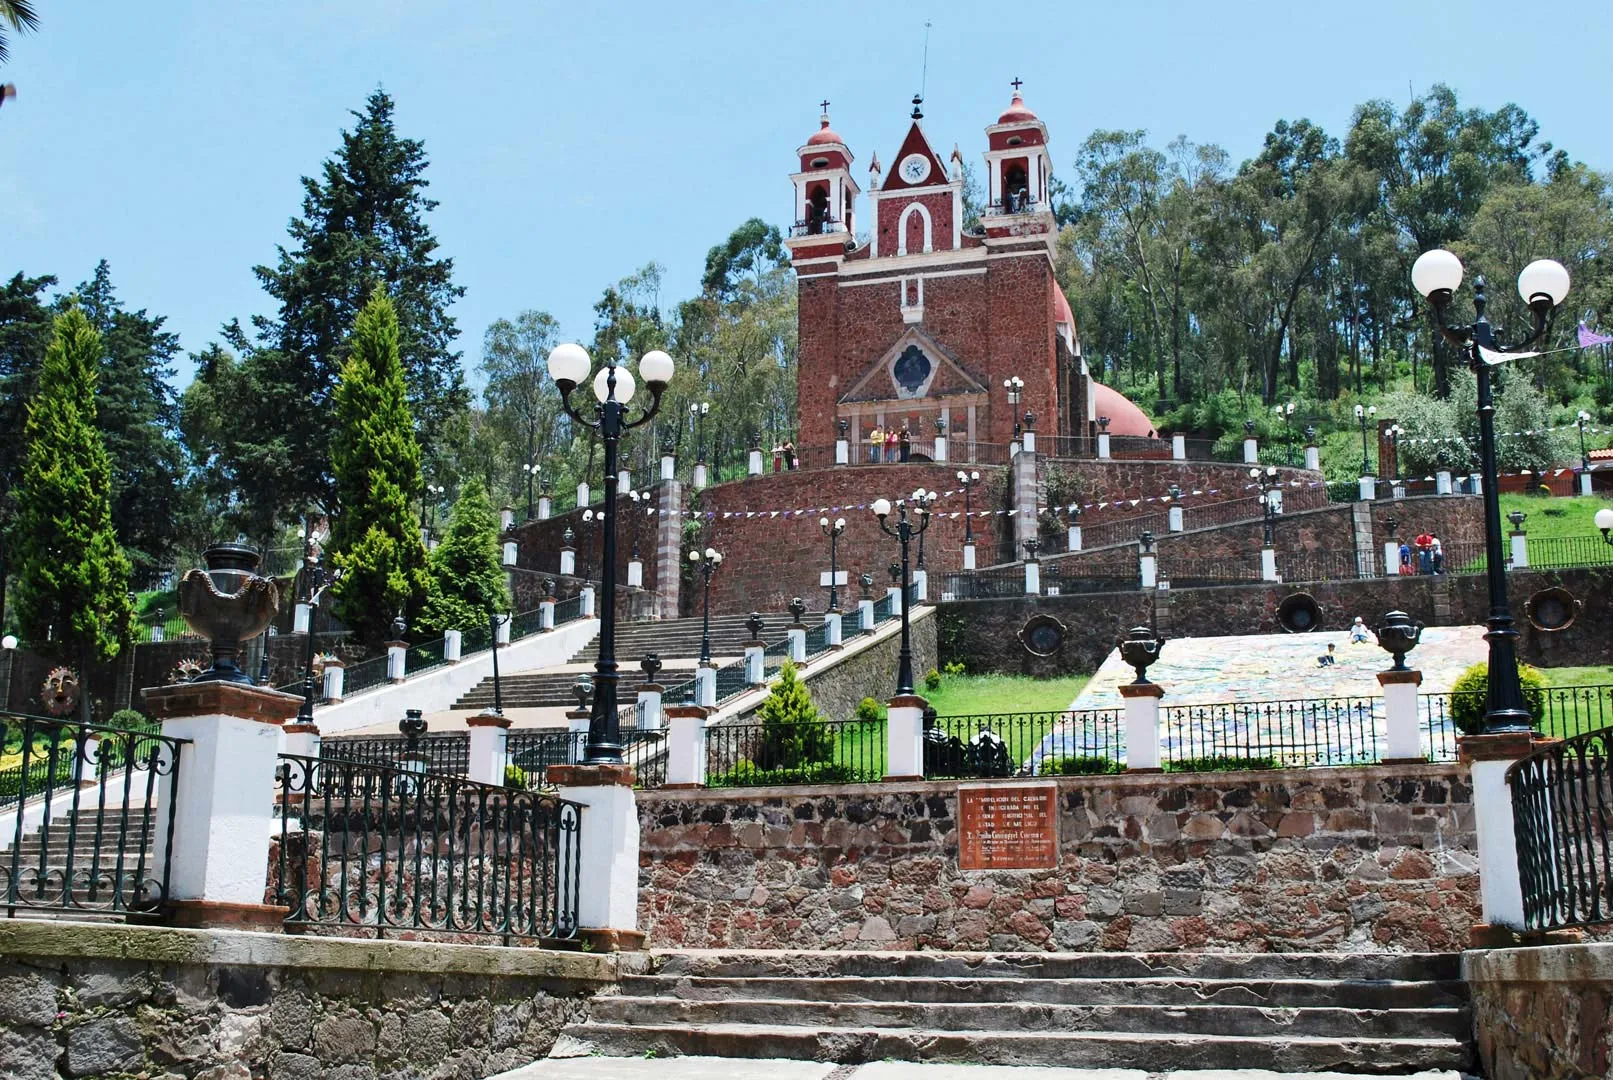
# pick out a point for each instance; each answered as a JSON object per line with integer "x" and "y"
{"x": 698, "y": 1068}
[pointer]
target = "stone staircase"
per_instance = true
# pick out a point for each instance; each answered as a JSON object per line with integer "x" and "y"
{"x": 1383, "y": 1014}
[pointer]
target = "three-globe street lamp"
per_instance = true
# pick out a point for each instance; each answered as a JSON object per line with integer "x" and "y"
{"x": 532, "y": 470}
{"x": 706, "y": 564}
{"x": 640, "y": 499}
{"x": 1269, "y": 486}
{"x": 967, "y": 481}
{"x": 1285, "y": 413}
{"x": 1584, "y": 455}
{"x": 1362, "y": 415}
{"x": 926, "y": 499}
{"x": 833, "y": 530}
{"x": 1543, "y": 285}
{"x": 1015, "y": 386}
{"x": 428, "y": 501}
{"x": 613, "y": 386}
{"x": 903, "y": 531}
{"x": 1395, "y": 431}
{"x": 697, "y": 413}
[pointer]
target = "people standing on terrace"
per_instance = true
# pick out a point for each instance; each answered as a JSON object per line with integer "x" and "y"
{"x": 876, "y": 442}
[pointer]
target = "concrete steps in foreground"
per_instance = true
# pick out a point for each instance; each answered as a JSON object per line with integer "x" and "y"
{"x": 1350, "y": 1013}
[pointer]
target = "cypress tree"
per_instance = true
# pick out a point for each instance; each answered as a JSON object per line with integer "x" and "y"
{"x": 376, "y": 461}
{"x": 72, "y": 590}
{"x": 793, "y": 731}
{"x": 467, "y": 575}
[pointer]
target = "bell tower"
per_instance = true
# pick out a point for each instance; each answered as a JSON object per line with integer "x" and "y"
{"x": 1019, "y": 173}
{"x": 825, "y": 195}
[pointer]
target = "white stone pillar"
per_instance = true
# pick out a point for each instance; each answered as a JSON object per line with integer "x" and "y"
{"x": 1028, "y": 443}
{"x": 545, "y": 508}
{"x": 969, "y": 556}
{"x": 1500, "y": 889}
{"x": 213, "y": 824}
{"x": 506, "y": 518}
{"x": 921, "y": 586}
{"x": 1174, "y": 515}
{"x": 1369, "y": 488}
{"x": 577, "y": 721}
{"x": 1403, "y": 741}
{"x": 1178, "y": 447}
{"x": 1142, "y": 725}
{"x": 1313, "y": 459}
{"x": 940, "y": 448}
{"x": 1397, "y": 489}
{"x": 1476, "y": 483}
{"x": 651, "y": 718}
{"x": 624, "y": 479}
{"x": 1033, "y": 578}
{"x": 452, "y": 645}
{"x": 1391, "y": 558}
{"x": 299, "y": 740}
{"x": 1251, "y": 451}
{"x": 755, "y": 663}
{"x": 685, "y": 746}
{"x": 1442, "y": 482}
{"x": 301, "y": 619}
{"x": 489, "y": 739}
{"x": 635, "y": 574}
{"x": 397, "y": 653}
{"x": 1072, "y": 538}
{"x": 842, "y": 452}
{"x": 501, "y": 632}
{"x": 568, "y": 562}
{"x": 755, "y": 461}
{"x": 904, "y": 730}
{"x": 511, "y": 551}
{"x": 1013, "y": 448}
{"x": 1520, "y": 549}
{"x": 606, "y": 867}
{"x": 1103, "y": 446}
{"x": 669, "y": 467}
{"x": 797, "y": 636}
{"x": 833, "y": 629}
{"x": 1268, "y": 564}
{"x": 546, "y": 615}
{"x": 158, "y": 633}
{"x": 700, "y": 476}
{"x": 865, "y": 616}
{"x": 1584, "y": 482}
{"x": 334, "y": 673}
{"x": 582, "y": 493}
{"x": 587, "y": 606}
{"x": 705, "y": 686}
{"x": 1148, "y": 569}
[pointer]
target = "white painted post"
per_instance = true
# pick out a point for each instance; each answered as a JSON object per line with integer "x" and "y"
{"x": 865, "y": 615}
{"x": 1369, "y": 488}
{"x": 1397, "y": 489}
{"x": 1033, "y": 578}
{"x": 334, "y": 674}
{"x": 833, "y": 629}
{"x": 299, "y": 740}
{"x": 705, "y": 686}
{"x": 452, "y": 645}
{"x": 1403, "y": 741}
{"x": 489, "y": 743}
{"x": 1584, "y": 482}
{"x": 1442, "y": 482}
{"x": 577, "y": 721}
{"x": 969, "y": 556}
{"x": 685, "y": 746}
{"x": 301, "y": 620}
{"x": 1476, "y": 483}
{"x": 546, "y": 615}
{"x": 1142, "y": 725}
{"x": 755, "y": 463}
{"x": 1520, "y": 549}
{"x": 158, "y": 633}
{"x": 1313, "y": 458}
{"x": 1148, "y": 569}
{"x": 220, "y": 811}
{"x": 624, "y": 480}
{"x": 921, "y": 586}
{"x": 1268, "y": 565}
{"x": 568, "y": 561}
{"x": 1174, "y": 514}
{"x": 606, "y": 867}
{"x": 582, "y": 493}
{"x": 506, "y": 518}
{"x": 1391, "y": 558}
{"x": 669, "y": 467}
{"x": 1029, "y": 443}
{"x": 755, "y": 663}
{"x": 842, "y": 452}
{"x": 700, "y": 476}
{"x": 904, "y": 730}
{"x": 511, "y": 551}
{"x": 940, "y": 448}
{"x": 545, "y": 507}
{"x": 397, "y": 653}
{"x": 1500, "y": 889}
{"x": 1103, "y": 446}
{"x": 797, "y": 636}
{"x": 1178, "y": 447}
{"x": 651, "y": 718}
{"x": 635, "y": 574}
{"x": 587, "y": 606}
{"x": 501, "y": 632}
{"x": 1251, "y": 451}
{"x": 1073, "y": 538}
{"x": 1013, "y": 448}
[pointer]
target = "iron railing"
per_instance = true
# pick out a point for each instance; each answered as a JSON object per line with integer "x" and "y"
{"x": 1562, "y": 809}
{"x": 773, "y": 658}
{"x": 820, "y": 752}
{"x": 1102, "y": 574}
{"x": 817, "y": 638}
{"x": 1183, "y": 572}
{"x": 1551, "y": 552}
{"x": 364, "y": 675}
{"x": 994, "y": 583}
{"x": 1560, "y": 712}
{"x": 365, "y": 849}
{"x": 163, "y": 627}
{"x": 1273, "y": 734}
{"x": 85, "y": 800}
{"x": 731, "y": 680}
{"x": 884, "y": 608}
{"x": 1068, "y": 742}
{"x": 448, "y": 753}
{"x": 424, "y": 657}
{"x": 532, "y": 752}
{"x": 568, "y": 610}
{"x": 526, "y": 624}
{"x": 1322, "y": 565}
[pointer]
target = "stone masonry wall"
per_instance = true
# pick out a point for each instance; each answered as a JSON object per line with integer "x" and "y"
{"x": 1543, "y": 1013}
{"x": 1358, "y": 859}
{"x": 122, "y": 1002}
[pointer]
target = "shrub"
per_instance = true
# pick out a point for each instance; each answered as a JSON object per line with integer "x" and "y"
{"x": 1220, "y": 763}
{"x": 749, "y": 774}
{"x": 133, "y": 719}
{"x": 932, "y": 679}
{"x": 955, "y": 667}
{"x": 868, "y": 709}
{"x": 1470, "y": 691}
{"x": 1082, "y": 765}
{"x": 514, "y": 777}
{"x": 793, "y": 731}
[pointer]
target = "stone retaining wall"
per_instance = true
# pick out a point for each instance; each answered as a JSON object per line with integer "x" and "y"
{"x": 1543, "y": 1013}
{"x": 114, "y": 1002}
{"x": 1356, "y": 859}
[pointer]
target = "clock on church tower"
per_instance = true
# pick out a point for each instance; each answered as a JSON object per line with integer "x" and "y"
{"x": 915, "y": 168}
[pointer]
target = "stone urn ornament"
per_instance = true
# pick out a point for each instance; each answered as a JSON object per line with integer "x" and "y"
{"x": 651, "y": 665}
{"x": 227, "y": 603}
{"x": 1398, "y": 635}
{"x": 1140, "y": 649}
{"x": 797, "y": 608}
{"x": 754, "y": 624}
{"x": 583, "y": 688}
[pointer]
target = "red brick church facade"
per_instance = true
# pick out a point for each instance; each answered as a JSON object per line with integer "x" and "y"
{"x": 925, "y": 319}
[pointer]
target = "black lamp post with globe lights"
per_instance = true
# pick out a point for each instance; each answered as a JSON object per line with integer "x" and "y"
{"x": 1362, "y": 415}
{"x": 697, "y": 413}
{"x": 1014, "y": 386}
{"x": 1543, "y": 285}
{"x": 706, "y": 563}
{"x": 613, "y": 386}
{"x": 833, "y": 530}
{"x": 967, "y": 481}
{"x": 904, "y": 531}
{"x": 1580, "y": 421}
{"x": 1604, "y": 522}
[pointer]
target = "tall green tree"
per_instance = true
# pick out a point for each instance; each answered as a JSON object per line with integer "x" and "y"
{"x": 72, "y": 592}
{"x": 376, "y": 460}
{"x": 468, "y": 580}
{"x": 25, "y": 331}
{"x": 522, "y": 401}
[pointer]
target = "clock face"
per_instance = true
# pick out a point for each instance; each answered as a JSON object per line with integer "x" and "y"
{"x": 915, "y": 167}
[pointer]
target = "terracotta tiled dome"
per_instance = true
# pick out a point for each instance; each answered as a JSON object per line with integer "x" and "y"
{"x": 1016, "y": 112}
{"x": 1124, "y": 417}
{"x": 825, "y": 134}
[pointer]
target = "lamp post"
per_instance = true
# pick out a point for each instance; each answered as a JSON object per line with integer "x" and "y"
{"x": 1584, "y": 455}
{"x": 9, "y": 644}
{"x": 833, "y": 531}
{"x": 925, "y": 499}
{"x": 1285, "y": 413}
{"x": 706, "y": 564}
{"x": 1543, "y": 284}
{"x": 532, "y": 470}
{"x": 1014, "y": 386}
{"x": 697, "y": 413}
{"x": 1362, "y": 415}
{"x": 1604, "y": 522}
{"x": 613, "y": 387}
{"x": 1269, "y": 487}
{"x": 967, "y": 481}
{"x": 428, "y": 500}
{"x": 904, "y": 531}
{"x": 1395, "y": 431}
{"x": 314, "y": 586}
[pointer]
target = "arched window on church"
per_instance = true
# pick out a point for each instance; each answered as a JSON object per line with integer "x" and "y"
{"x": 818, "y": 212}
{"x": 1016, "y": 188}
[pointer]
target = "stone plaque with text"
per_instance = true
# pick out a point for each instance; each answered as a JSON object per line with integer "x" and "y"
{"x": 1008, "y": 827}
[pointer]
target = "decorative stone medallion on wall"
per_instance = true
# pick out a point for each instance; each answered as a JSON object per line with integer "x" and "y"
{"x": 911, "y": 372}
{"x": 1042, "y": 635}
{"x": 1553, "y": 609}
{"x": 1299, "y": 613}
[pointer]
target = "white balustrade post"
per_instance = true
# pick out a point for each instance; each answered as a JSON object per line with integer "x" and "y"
{"x": 1148, "y": 570}
{"x": 1520, "y": 549}
{"x": 582, "y": 493}
{"x": 1397, "y": 489}
{"x": 1403, "y": 742}
{"x": 669, "y": 467}
{"x": 921, "y": 586}
{"x": 334, "y": 674}
{"x": 940, "y": 448}
{"x": 797, "y": 637}
{"x": 833, "y": 629}
{"x": 1313, "y": 458}
{"x": 506, "y": 518}
{"x": 568, "y": 562}
{"x": 865, "y": 616}
{"x": 587, "y": 607}
{"x": 606, "y": 858}
{"x": 755, "y": 663}
{"x": 685, "y": 746}
{"x": 1103, "y": 446}
{"x": 546, "y": 615}
{"x": 1033, "y": 578}
{"x": 213, "y": 822}
{"x": 754, "y": 464}
{"x": 1369, "y": 488}
{"x": 1028, "y": 443}
{"x": 1251, "y": 451}
{"x": 705, "y": 686}
{"x": 969, "y": 556}
{"x": 1142, "y": 725}
{"x": 301, "y": 619}
{"x": 1268, "y": 564}
{"x": 842, "y": 452}
{"x": 1500, "y": 889}
{"x": 1072, "y": 539}
{"x": 489, "y": 744}
{"x": 452, "y": 645}
{"x": 651, "y": 716}
{"x": 299, "y": 740}
{"x": 1584, "y": 482}
{"x": 1391, "y": 558}
{"x": 1442, "y": 482}
{"x": 1178, "y": 447}
{"x": 1475, "y": 483}
{"x": 624, "y": 479}
{"x": 545, "y": 508}
{"x": 635, "y": 574}
{"x": 904, "y": 731}
{"x": 1174, "y": 516}
{"x": 397, "y": 653}
{"x": 700, "y": 476}
{"x": 511, "y": 552}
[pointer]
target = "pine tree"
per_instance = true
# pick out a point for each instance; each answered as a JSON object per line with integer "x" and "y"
{"x": 793, "y": 731}
{"x": 376, "y": 462}
{"x": 72, "y": 578}
{"x": 467, "y": 575}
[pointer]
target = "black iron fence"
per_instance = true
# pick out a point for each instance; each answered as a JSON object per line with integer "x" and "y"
{"x": 997, "y": 582}
{"x": 425, "y": 656}
{"x": 162, "y": 626}
{"x": 1108, "y": 573}
{"x": 1323, "y": 565}
{"x": 1561, "y": 712}
{"x": 816, "y": 752}
{"x": 1272, "y": 734}
{"x": 447, "y": 753}
{"x": 85, "y": 802}
{"x": 1550, "y": 552}
{"x": 1186, "y": 572}
{"x": 366, "y": 850}
{"x": 1065, "y": 743}
{"x": 364, "y": 675}
{"x": 529, "y": 753}
{"x": 1561, "y": 796}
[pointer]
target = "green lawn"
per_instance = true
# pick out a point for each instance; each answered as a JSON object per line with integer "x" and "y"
{"x": 1596, "y": 675}
{"x": 967, "y": 695}
{"x": 1554, "y": 516}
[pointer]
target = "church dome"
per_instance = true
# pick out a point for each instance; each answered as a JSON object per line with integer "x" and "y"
{"x": 1124, "y": 417}
{"x": 825, "y": 135}
{"x": 1016, "y": 112}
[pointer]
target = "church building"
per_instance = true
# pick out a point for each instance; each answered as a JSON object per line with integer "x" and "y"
{"x": 925, "y": 318}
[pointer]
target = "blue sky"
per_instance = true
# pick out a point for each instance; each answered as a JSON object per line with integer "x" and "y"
{"x": 571, "y": 143}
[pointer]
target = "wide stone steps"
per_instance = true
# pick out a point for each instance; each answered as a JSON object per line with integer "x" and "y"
{"x": 1359, "y": 1013}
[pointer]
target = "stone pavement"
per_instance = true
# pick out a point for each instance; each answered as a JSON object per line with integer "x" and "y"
{"x": 699, "y": 1068}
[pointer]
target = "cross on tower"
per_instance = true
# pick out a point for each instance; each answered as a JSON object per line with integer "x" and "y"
{"x": 1016, "y": 84}
{"x": 824, "y": 104}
